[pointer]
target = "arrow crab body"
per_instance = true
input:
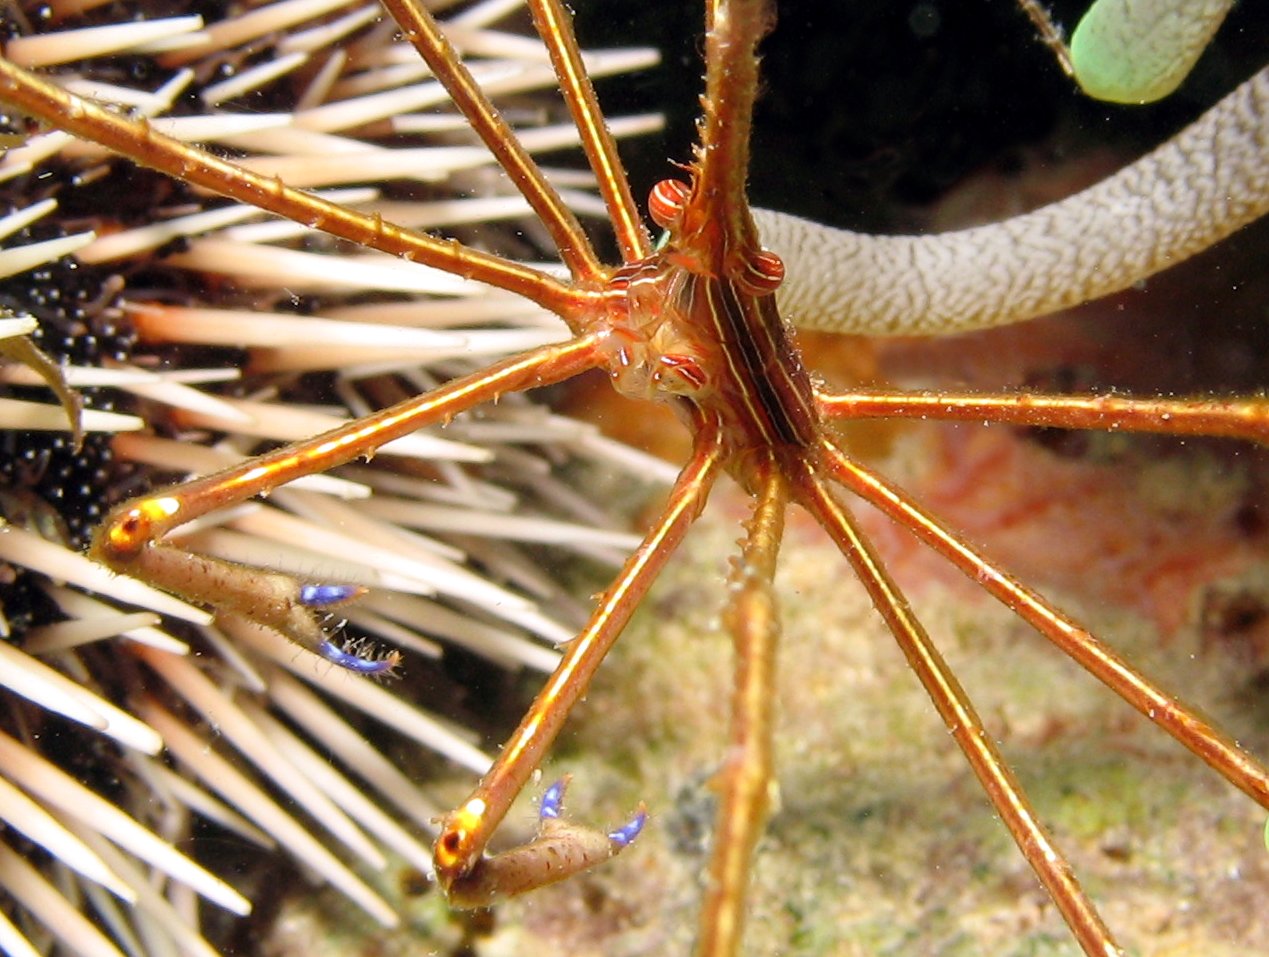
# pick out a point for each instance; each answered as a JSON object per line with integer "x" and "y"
{"x": 696, "y": 323}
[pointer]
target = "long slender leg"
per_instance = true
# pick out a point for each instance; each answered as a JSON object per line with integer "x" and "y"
{"x": 1217, "y": 751}
{"x": 138, "y": 141}
{"x": 745, "y": 780}
{"x": 421, "y": 30}
{"x": 1230, "y": 418}
{"x": 555, "y": 26}
{"x": 466, "y": 831}
{"x": 719, "y": 212}
{"x": 962, "y": 721}
{"x": 129, "y": 539}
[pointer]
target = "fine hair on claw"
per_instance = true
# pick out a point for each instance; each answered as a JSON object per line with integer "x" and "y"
{"x": 361, "y": 656}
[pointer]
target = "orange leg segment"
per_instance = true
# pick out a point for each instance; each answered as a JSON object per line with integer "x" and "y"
{"x": 745, "y": 781}
{"x": 129, "y": 540}
{"x": 1217, "y": 751}
{"x": 426, "y": 37}
{"x": 141, "y": 143}
{"x": 466, "y": 831}
{"x": 555, "y": 26}
{"x": 1240, "y": 418}
{"x": 958, "y": 713}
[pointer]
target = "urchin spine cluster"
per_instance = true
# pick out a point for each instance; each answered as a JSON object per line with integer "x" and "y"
{"x": 219, "y": 332}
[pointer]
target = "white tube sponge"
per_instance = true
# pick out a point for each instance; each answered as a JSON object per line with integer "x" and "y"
{"x": 1206, "y": 182}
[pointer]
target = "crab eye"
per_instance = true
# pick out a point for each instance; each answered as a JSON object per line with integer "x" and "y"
{"x": 763, "y": 273}
{"x": 666, "y": 200}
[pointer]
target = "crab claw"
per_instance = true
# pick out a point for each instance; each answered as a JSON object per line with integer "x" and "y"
{"x": 559, "y": 851}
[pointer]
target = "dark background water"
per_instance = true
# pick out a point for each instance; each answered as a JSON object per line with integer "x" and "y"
{"x": 871, "y": 106}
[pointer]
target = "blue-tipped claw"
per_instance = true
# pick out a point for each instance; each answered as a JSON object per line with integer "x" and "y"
{"x": 327, "y": 596}
{"x": 360, "y": 658}
{"x": 553, "y": 800}
{"x": 552, "y": 807}
{"x": 623, "y": 835}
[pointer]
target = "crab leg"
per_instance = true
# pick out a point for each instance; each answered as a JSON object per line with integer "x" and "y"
{"x": 129, "y": 540}
{"x": 1218, "y": 752}
{"x": 745, "y": 780}
{"x": 1230, "y": 418}
{"x": 425, "y": 36}
{"x": 141, "y": 143}
{"x": 958, "y": 713}
{"x": 555, "y": 26}
{"x": 466, "y": 831}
